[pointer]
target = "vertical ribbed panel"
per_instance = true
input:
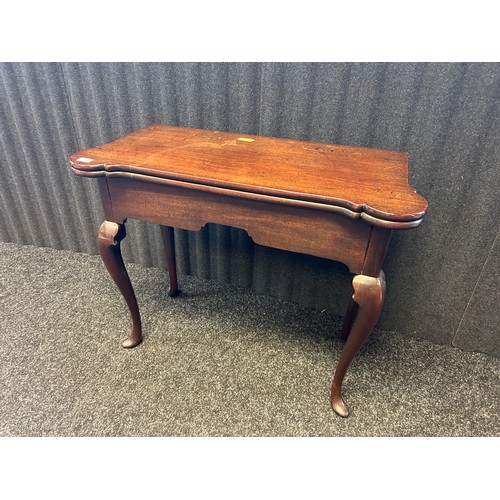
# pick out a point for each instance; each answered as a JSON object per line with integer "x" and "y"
{"x": 42, "y": 203}
{"x": 445, "y": 115}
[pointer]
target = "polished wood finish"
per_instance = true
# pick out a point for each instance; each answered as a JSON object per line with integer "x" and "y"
{"x": 275, "y": 225}
{"x": 364, "y": 181}
{"x": 350, "y": 316}
{"x": 378, "y": 244}
{"x": 369, "y": 294}
{"x": 336, "y": 202}
{"x": 108, "y": 241}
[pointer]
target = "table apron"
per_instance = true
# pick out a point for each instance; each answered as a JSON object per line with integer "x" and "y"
{"x": 305, "y": 230}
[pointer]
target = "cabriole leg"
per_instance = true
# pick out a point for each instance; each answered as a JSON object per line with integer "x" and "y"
{"x": 350, "y": 316}
{"x": 108, "y": 240}
{"x": 369, "y": 295}
{"x": 167, "y": 234}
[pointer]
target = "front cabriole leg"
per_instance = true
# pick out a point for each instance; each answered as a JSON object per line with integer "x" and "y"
{"x": 349, "y": 318}
{"x": 108, "y": 240}
{"x": 369, "y": 295}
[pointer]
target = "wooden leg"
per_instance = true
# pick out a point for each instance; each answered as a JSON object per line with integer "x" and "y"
{"x": 167, "y": 234}
{"x": 369, "y": 294}
{"x": 108, "y": 240}
{"x": 350, "y": 316}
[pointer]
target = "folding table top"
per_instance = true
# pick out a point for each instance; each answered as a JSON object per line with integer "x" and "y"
{"x": 364, "y": 180}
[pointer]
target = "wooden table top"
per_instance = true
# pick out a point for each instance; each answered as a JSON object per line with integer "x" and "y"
{"x": 365, "y": 180}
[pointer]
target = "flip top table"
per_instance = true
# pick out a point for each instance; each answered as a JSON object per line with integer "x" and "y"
{"x": 336, "y": 202}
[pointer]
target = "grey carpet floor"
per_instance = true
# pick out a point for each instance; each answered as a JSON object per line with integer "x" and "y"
{"x": 216, "y": 361}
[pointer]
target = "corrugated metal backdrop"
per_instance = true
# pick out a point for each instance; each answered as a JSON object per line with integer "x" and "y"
{"x": 442, "y": 277}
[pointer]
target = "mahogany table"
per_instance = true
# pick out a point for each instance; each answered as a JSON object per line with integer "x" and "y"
{"x": 332, "y": 201}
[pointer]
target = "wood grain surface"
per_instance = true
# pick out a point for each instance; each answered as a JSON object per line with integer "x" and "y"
{"x": 370, "y": 181}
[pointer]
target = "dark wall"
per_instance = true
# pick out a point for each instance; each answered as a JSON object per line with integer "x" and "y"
{"x": 443, "y": 277}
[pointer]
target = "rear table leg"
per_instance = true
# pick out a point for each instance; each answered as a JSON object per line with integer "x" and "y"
{"x": 167, "y": 234}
